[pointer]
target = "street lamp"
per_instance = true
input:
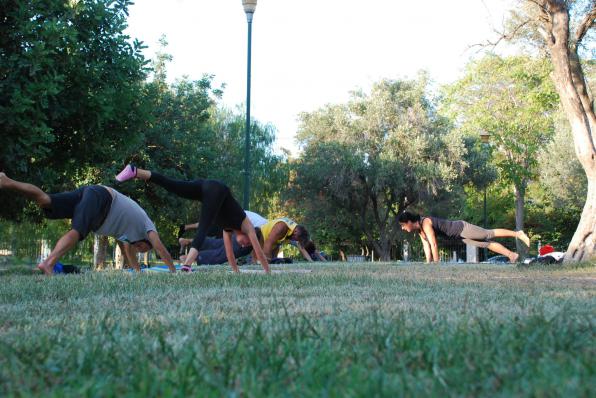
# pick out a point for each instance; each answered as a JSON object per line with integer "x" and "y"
{"x": 485, "y": 138}
{"x": 249, "y": 10}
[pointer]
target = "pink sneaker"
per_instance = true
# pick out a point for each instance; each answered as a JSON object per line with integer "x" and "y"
{"x": 186, "y": 268}
{"x": 127, "y": 173}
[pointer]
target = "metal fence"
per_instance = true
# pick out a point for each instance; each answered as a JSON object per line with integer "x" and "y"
{"x": 30, "y": 242}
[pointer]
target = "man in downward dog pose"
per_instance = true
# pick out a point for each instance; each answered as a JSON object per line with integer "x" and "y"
{"x": 429, "y": 227}
{"x": 218, "y": 207}
{"x": 96, "y": 208}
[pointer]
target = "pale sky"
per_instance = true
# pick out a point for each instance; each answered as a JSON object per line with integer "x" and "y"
{"x": 309, "y": 53}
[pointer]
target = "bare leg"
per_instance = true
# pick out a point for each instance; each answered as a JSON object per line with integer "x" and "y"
{"x": 500, "y": 249}
{"x": 27, "y": 190}
{"x": 66, "y": 242}
{"x": 143, "y": 174}
{"x": 507, "y": 233}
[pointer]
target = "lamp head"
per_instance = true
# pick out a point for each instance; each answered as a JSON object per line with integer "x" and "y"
{"x": 249, "y": 6}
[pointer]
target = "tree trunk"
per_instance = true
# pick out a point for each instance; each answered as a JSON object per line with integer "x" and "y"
{"x": 583, "y": 244}
{"x": 520, "y": 194}
{"x": 580, "y": 116}
{"x": 120, "y": 260}
{"x": 100, "y": 249}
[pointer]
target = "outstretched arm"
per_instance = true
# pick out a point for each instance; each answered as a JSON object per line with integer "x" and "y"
{"x": 227, "y": 238}
{"x": 319, "y": 256}
{"x": 304, "y": 252}
{"x": 249, "y": 230}
{"x": 426, "y": 247}
{"x": 427, "y": 228}
{"x": 64, "y": 244}
{"x": 159, "y": 247}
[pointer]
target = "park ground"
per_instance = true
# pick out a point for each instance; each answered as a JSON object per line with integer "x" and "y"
{"x": 338, "y": 330}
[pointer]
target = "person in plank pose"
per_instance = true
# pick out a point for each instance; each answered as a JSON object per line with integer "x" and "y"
{"x": 429, "y": 227}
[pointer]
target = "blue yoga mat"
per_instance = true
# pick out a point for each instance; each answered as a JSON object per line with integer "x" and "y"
{"x": 156, "y": 268}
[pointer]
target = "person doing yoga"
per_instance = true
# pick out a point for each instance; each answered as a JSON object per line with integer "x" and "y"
{"x": 94, "y": 208}
{"x": 429, "y": 227}
{"x": 218, "y": 207}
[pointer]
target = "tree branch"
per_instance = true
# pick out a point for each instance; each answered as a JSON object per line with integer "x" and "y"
{"x": 502, "y": 36}
{"x": 588, "y": 22}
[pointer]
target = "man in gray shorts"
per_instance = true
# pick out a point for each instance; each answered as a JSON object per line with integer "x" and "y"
{"x": 429, "y": 227}
{"x": 96, "y": 208}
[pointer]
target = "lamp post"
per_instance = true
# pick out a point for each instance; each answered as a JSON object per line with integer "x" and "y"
{"x": 485, "y": 137}
{"x": 249, "y": 10}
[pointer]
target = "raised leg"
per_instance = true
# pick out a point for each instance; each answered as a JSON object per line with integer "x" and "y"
{"x": 29, "y": 191}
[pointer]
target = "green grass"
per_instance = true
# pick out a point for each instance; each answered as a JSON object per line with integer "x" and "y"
{"x": 358, "y": 330}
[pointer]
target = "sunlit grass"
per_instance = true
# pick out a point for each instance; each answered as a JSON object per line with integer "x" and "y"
{"x": 356, "y": 330}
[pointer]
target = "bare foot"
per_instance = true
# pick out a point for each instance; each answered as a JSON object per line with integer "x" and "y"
{"x": 45, "y": 268}
{"x": 521, "y": 235}
{"x": 513, "y": 258}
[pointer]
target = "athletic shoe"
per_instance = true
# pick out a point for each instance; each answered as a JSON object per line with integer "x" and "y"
{"x": 186, "y": 268}
{"x": 130, "y": 171}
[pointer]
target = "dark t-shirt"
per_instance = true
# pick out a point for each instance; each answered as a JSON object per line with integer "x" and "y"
{"x": 447, "y": 228}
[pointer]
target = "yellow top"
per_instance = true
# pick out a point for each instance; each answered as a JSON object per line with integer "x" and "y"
{"x": 266, "y": 228}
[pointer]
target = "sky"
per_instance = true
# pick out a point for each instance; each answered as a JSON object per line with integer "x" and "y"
{"x": 309, "y": 53}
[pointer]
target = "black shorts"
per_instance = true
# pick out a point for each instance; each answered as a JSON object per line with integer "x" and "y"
{"x": 87, "y": 207}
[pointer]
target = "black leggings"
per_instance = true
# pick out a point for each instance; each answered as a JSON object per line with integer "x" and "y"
{"x": 219, "y": 206}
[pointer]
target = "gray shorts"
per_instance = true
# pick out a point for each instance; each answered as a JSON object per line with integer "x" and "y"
{"x": 476, "y": 236}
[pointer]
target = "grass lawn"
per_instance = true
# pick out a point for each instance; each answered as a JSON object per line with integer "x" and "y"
{"x": 357, "y": 330}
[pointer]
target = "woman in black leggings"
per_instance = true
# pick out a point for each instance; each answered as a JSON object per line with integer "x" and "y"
{"x": 219, "y": 208}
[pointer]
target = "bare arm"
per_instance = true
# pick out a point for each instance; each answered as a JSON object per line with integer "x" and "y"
{"x": 426, "y": 247}
{"x": 278, "y": 231}
{"x": 249, "y": 230}
{"x": 321, "y": 258}
{"x": 159, "y": 247}
{"x": 304, "y": 252}
{"x": 64, "y": 244}
{"x": 229, "y": 248}
{"x": 427, "y": 228}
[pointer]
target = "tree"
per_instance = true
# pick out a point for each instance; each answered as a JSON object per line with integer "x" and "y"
{"x": 560, "y": 190}
{"x": 512, "y": 99}
{"x": 562, "y": 29}
{"x": 376, "y": 155}
{"x": 70, "y": 81}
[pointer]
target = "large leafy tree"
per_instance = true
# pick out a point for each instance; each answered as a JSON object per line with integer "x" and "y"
{"x": 512, "y": 99}
{"x": 377, "y": 155}
{"x": 564, "y": 31}
{"x": 69, "y": 88}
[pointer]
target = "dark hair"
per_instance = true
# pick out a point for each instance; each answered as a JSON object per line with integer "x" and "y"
{"x": 407, "y": 216}
{"x": 301, "y": 234}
